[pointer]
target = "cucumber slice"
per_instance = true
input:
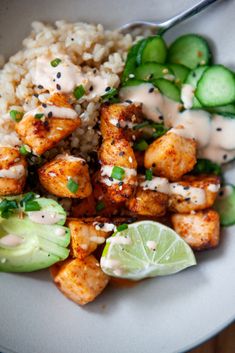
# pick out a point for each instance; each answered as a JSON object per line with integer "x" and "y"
{"x": 152, "y": 49}
{"x": 225, "y": 205}
{"x": 190, "y": 50}
{"x": 192, "y": 79}
{"x": 168, "y": 89}
{"x": 152, "y": 71}
{"x": 130, "y": 64}
{"x": 181, "y": 72}
{"x": 224, "y": 109}
{"x": 216, "y": 87}
{"x": 133, "y": 82}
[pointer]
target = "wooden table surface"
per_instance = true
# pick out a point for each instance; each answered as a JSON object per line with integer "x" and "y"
{"x": 222, "y": 343}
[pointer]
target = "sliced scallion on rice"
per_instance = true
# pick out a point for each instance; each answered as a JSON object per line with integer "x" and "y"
{"x": 16, "y": 115}
{"x": 118, "y": 173}
{"x": 72, "y": 186}
{"x": 79, "y": 92}
{"x": 55, "y": 62}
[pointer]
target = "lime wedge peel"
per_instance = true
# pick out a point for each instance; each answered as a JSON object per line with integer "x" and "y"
{"x": 145, "y": 249}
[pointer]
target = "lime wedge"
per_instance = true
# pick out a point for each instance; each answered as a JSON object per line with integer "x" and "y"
{"x": 145, "y": 249}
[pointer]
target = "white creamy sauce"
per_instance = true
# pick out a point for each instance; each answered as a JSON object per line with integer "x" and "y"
{"x": 14, "y": 172}
{"x": 213, "y": 187}
{"x": 44, "y": 217}
{"x": 187, "y": 95}
{"x": 109, "y": 263}
{"x": 157, "y": 184}
{"x": 214, "y": 136}
{"x": 194, "y": 195}
{"x": 67, "y": 76}
{"x": 151, "y": 244}
{"x": 114, "y": 121}
{"x": 106, "y": 172}
{"x": 119, "y": 240}
{"x": 96, "y": 239}
{"x": 11, "y": 240}
{"x": 53, "y": 111}
{"x": 105, "y": 227}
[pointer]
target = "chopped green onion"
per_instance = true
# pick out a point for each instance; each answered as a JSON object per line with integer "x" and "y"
{"x": 72, "y": 186}
{"x": 32, "y": 206}
{"x": 111, "y": 96}
{"x": 159, "y": 130}
{"x": 141, "y": 145}
{"x": 148, "y": 174}
{"x": 16, "y": 115}
{"x": 55, "y": 62}
{"x": 28, "y": 197}
{"x": 39, "y": 116}
{"x": 205, "y": 166}
{"x": 24, "y": 150}
{"x": 122, "y": 227}
{"x": 140, "y": 126}
{"x": 79, "y": 92}
{"x": 7, "y": 207}
{"x": 100, "y": 206}
{"x": 118, "y": 173}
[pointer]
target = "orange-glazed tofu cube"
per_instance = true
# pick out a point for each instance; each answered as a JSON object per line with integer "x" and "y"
{"x": 80, "y": 280}
{"x": 43, "y": 127}
{"x": 87, "y": 234}
{"x": 66, "y": 176}
{"x": 171, "y": 156}
{"x": 13, "y": 171}
{"x": 200, "y": 230}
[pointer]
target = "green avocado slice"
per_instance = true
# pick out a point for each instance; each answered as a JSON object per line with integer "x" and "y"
{"x": 34, "y": 246}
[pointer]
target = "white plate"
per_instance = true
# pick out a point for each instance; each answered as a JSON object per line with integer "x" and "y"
{"x": 163, "y": 315}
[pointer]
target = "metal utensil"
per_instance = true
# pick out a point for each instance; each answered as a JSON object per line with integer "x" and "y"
{"x": 161, "y": 27}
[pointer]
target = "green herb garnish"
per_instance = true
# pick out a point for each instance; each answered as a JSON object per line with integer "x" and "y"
{"x": 159, "y": 130}
{"x": 72, "y": 186}
{"x": 141, "y": 145}
{"x": 39, "y": 116}
{"x": 55, "y": 62}
{"x": 141, "y": 125}
{"x": 205, "y": 166}
{"x": 118, "y": 173}
{"x": 148, "y": 174}
{"x": 111, "y": 96}
{"x": 79, "y": 92}
{"x": 27, "y": 197}
{"x": 24, "y": 150}
{"x": 7, "y": 207}
{"x": 32, "y": 206}
{"x": 16, "y": 115}
{"x": 100, "y": 206}
{"x": 122, "y": 227}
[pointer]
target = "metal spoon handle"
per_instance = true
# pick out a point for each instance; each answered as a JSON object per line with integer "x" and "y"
{"x": 184, "y": 15}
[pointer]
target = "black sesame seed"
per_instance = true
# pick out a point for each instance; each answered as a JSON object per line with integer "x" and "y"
{"x": 128, "y": 101}
{"x": 225, "y": 156}
{"x": 193, "y": 74}
{"x": 50, "y": 114}
{"x": 186, "y": 187}
{"x": 151, "y": 90}
{"x": 53, "y": 79}
{"x": 58, "y": 75}
{"x": 36, "y": 95}
{"x": 101, "y": 225}
{"x": 221, "y": 193}
{"x": 43, "y": 216}
{"x": 72, "y": 39}
{"x": 107, "y": 89}
{"x": 112, "y": 142}
{"x": 121, "y": 153}
{"x": 120, "y": 183}
{"x": 40, "y": 87}
{"x": 118, "y": 125}
{"x": 161, "y": 117}
{"x": 94, "y": 71}
{"x": 154, "y": 165}
{"x": 44, "y": 105}
{"x": 187, "y": 199}
{"x": 58, "y": 87}
{"x": 91, "y": 88}
{"x": 218, "y": 129}
{"x": 110, "y": 178}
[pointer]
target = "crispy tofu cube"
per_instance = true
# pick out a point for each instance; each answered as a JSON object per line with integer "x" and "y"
{"x": 200, "y": 230}
{"x": 194, "y": 193}
{"x": 148, "y": 201}
{"x": 117, "y": 154}
{"x": 80, "y": 280}
{"x": 66, "y": 176}
{"x": 118, "y": 120}
{"x": 44, "y": 127}
{"x": 13, "y": 171}
{"x": 87, "y": 234}
{"x": 171, "y": 156}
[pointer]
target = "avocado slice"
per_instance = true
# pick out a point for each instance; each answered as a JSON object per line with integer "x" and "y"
{"x": 26, "y": 245}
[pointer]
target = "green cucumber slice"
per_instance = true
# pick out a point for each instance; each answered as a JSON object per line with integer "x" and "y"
{"x": 190, "y": 50}
{"x": 180, "y": 71}
{"x": 192, "y": 79}
{"x": 168, "y": 89}
{"x": 225, "y": 205}
{"x": 224, "y": 109}
{"x": 130, "y": 64}
{"x": 216, "y": 87}
{"x": 152, "y": 49}
{"x": 152, "y": 71}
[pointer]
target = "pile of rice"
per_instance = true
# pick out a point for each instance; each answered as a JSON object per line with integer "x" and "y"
{"x": 88, "y": 46}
